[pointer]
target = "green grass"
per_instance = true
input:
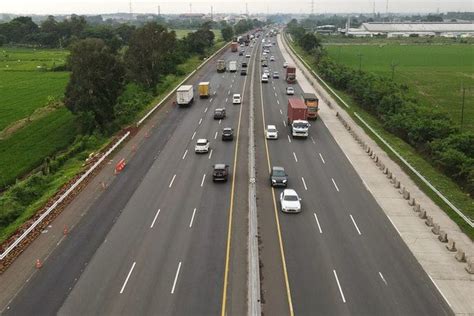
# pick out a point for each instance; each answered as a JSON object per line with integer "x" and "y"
{"x": 444, "y": 184}
{"x": 435, "y": 73}
{"x": 181, "y": 33}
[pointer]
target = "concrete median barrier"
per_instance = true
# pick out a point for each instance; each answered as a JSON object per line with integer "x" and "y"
{"x": 443, "y": 236}
{"x": 435, "y": 230}
{"x": 422, "y": 214}
{"x": 417, "y": 207}
{"x": 429, "y": 221}
{"x": 411, "y": 202}
{"x": 470, "y": 265}
{"x": 460, "y": 255}
{"x": 389, "y": 174}
{"x": 451, "y": 246}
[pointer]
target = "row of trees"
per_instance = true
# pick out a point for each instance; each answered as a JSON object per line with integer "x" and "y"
{"x": 427, "y": 129}
{"x": 229, "y": 32}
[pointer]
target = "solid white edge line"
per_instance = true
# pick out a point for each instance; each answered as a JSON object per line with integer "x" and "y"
{"x": 203, "y": 178}
{"x": 335, "y": 185}
{"x": 322, "y": 158}
{"x": 194, "y": 135}
{"x": 192, "y": 218}
{"x": 394, "y": 226}
{"x": 154, "y": 219}
{"x": 128, "y": 276}
{"x": 200, "y": 121}
{"x": 176, "y": 278}
{"x": 355, "y": 224}
{"x": 294, "y": 155}
{"x": 439, "y": 290}
{"x": 304, "y": 183}
{"x": 172, "y": 180}
{"x": 339, "y": 285}
{"x": 383, "y": 279}
{"x": 185, "y": 153}
{"x": 317, "y": 222}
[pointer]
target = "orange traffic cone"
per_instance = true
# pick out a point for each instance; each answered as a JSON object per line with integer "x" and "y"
{"x": 38, "y": 264}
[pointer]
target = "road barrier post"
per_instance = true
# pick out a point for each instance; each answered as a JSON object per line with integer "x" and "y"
{"x": 460, "y": 255}
{"x": 443, "y": 236}
{"x": 451, "y": 246}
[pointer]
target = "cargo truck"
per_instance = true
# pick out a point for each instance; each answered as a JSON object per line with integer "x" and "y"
{"x": 290, "y": 74}
{"x": 204, "y": 89}
{"x": 233, "y": 66}
{"x": 312, "y": 102}
{"x": 221, "y": 65}
{"x": 185, "y": 95}
{"x": 297, "y": 117}
{"x": 234, "y": 46}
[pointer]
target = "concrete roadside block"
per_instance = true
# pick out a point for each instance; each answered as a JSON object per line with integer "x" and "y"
{"x": 376, "y": 158}
{"x": 422, "y": 214}
{"x": 417, "y": 207}
{"x": 396, "y": 184}
{"x": 406, "y": 194}
{"x": 451, "y": 246}
{"x": 435, "y": 230}
{"x": 460, "y": 255}
{"x": 385, "y": 171}
{"x": 389, "y": 174}
{"x": 429, "y": 221}
{"x": 470, "y": 265}
{"x": 367, "y": 150}
{"x": 411, "y": 202}
{"x": 443, "y": 236}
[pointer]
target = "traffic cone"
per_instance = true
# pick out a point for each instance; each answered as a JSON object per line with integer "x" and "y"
{"x": 65, "y": 230}
{"x": 38, "y": 264}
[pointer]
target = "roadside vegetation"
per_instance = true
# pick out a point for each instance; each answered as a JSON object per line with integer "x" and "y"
{"x": 420, "y": 130}
{"x": 57, "y": 114}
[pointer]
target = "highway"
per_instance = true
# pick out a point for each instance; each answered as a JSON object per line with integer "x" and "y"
{"x": 163, "y": 239}
{"x": 342, "y": 254}
{"x": 165, "y": 249}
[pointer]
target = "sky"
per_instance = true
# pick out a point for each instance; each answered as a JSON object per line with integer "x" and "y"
{"x": 234, "y": 6}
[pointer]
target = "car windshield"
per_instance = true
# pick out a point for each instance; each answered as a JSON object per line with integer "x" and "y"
{"x": 227, "y": 130}
{"x": 291, "y": 198}
{"x": 202, "y": 142}
{"x": 272, "y": 130}
{"x": 278, "y": 173}
{"x": 301, "y": 125}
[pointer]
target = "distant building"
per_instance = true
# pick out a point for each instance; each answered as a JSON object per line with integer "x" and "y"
{"x": 406, "y": 29}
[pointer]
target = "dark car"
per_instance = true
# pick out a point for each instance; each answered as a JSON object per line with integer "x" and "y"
{"x": 243, "y": 72}
{"x": 244, "y": 65}
{"x": 220, "y": 172}
{"x": 219, "y": 114}
{"x": 278, "y": 177}
{"x": 241, "y": 53}
{"x": 228, "y": 133}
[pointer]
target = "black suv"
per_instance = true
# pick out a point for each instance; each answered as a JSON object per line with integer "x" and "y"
{"x": 278, "y": 177}
{"x": 243, "y": 72}
{"x": 244, "y": 65}
{"x": 219, "y": 114}
{"x": 220, "y": 172}
{"x": 227, "y": 133}
{"x": 241, "y": 53}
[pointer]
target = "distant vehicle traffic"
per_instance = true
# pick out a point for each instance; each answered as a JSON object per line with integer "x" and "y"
{"x": 285, "y": 64}
{"x": 202, "y": 146}
{"x": 234, "y": 46}
{"x": 244, "y": 65}
{"x": 236, "y": 99}
{"x": 221, "y": 65}
{"x": 271, "y": 132}
{"x": 297, "y": 117}
{"x": 227, "y": 133}
{"x": 219, "y": 113}
{"x": 264, "y": 78}
{"x": 220, "y": 172}
{"x": 290, "y": 201}
{"x": 276, "y": 75}
{"x": 290, "y": 74}
{"x": 247, "y": 56}
{"x": 243, "y": 72}
{"x": 185, "y": 95}
{"x": 312, "y": 102}
{"x": 232, "y": 66}
{"x": 272, "y": 58}
{"x": 278, "y": 177}
{"x": 290, "y": 91}
{"x": 204, "y": 89}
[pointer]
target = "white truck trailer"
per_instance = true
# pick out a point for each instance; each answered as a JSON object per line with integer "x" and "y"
{"x": 185, "y": 95}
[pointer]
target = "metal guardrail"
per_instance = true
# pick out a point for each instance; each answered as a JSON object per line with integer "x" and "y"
{"x": 61, "y": 198}
{"x": 84, "y": 176}
{"x": 399, "y": 156}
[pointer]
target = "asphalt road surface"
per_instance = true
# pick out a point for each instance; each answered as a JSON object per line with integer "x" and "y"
{"x": 164, "y": 239}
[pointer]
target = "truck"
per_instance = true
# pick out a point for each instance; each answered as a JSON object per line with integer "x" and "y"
{"x": 232, "y": 66}
{"x": 185, "y": 95}
{"x": 204, "y": 89}
{"x": 312, "y": 103}
{"x": 221, "y": 65}
{"x": 290, "y": 74}
{"x": 297, "y": 117}
{"x": 234, "y": 46}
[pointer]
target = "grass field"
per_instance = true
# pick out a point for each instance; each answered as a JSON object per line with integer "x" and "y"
{"x": 435, "y": 73}
{"x": 180, "y": 33}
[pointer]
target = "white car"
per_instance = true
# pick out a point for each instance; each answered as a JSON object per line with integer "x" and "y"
{"x": 247, "y": 56}
{"x": 290, "y": 201}
{"x": 266, "y": 72}
{"x": 236, "y": 99}
{"x": 285, "y": 64}
{"x": 271, "y": 132}
{"x": 264, "y": 54}
{"x": 265, "y": 78}
{"x": 202, "y": 146}
{"x": 290, "y": 91}
{"x": 272, "y": 58}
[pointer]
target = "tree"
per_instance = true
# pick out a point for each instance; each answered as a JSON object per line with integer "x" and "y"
{"x": 309, "y": 41}
{"x": 227, "y": 33}
{"x": 95, "y": 83}
{"x": 150, "y": 54}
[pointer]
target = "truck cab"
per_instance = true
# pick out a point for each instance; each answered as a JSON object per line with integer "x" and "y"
{"x": 300, "y": 128}
{"x": 312, "y": 102}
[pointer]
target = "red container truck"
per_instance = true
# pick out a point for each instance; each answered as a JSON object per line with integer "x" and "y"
{"x": 290, "y": 74}
{"x": 297, "y": 117}
{"x": 234, "y": 46}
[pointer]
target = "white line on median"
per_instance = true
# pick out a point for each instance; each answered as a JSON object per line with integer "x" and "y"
{"x": 294, "y": 155}
{"x": 205, "y": 110}
{"x": 273, "y": 87}
{"x": 172, "y": 180}
{"x": 202, "y": 181}
{"x": 154, "y": 219}
{"x": 278, "y": 101}
{"x": 128, "y": 276}
{"x": 210, "y": 100}
{"x": 200, "y": 121}
{"x": 383, "y": 279}
{"x": 304, "y": 183}
{"x": 355, "y": 224}
{"x": 210, "y": 154}
{"x": 335, "y": 185}
{"x": 322, "y": 159}
{"x": 194, "y": 134}
{"x": 185, "y": 153}
{"x": 317, "y": 222}
{"x": 226, "y": 99}
{"x": 339, "y": 285}
{"x": 215, "y": 137}
{"x": 192, "y": 219}
{"x": 228, "y": 93}
{"x": 176, "y": 278}
{"x": 276, "y": 94}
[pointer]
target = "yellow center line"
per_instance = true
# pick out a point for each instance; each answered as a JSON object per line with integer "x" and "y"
{"x": 231, "y": 208}
{"x": 280, "y": 239}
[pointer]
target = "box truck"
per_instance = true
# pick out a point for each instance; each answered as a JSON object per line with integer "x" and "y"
{"x": 233, "y": 66}
{"x": 185, "y": 95}
{"x": 204, "y": 89}
{"x": 312, "y": 102}
{"x": 297, "y": 117}
{"x": 234, "y": 46}
{"x": 290, "y": 74}
{"x": 221, "y": 65}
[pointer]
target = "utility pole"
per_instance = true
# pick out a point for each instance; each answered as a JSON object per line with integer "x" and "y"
{"x": 130, "y": 7}
{"x": 386, "y": 10}
{"x": 393, "y": 65}
{"x": 159, "y": 11}
{"x": 373, "y": 9}
{"x": 190, "y": 7}
{"x": 246, "y": 9}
